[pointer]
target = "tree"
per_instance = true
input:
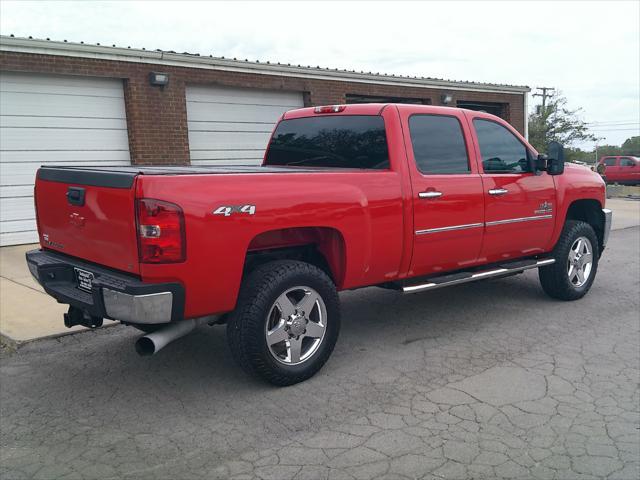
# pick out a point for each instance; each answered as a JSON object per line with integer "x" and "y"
{"x": 631, "y": 146}
{"x": 556, "y": 122}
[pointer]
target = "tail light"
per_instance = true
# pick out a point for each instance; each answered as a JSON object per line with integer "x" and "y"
{"x": 161, "y": 237}
{"x": 330, "y": 109}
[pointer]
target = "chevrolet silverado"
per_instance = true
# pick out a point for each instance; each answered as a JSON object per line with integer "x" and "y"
{"x": 406, "y": 197}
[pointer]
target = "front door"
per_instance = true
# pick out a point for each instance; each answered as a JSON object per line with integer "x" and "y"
{"x": 447, "y": 192}
{"x": 520, "y": 205}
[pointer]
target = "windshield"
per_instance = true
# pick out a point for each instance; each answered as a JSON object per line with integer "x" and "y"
{"x": 344, "y": 141}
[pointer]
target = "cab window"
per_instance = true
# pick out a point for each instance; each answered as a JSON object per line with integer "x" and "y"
{"x": 501, "y": 150}
{"x": 627, "y": 162}
{"x": 610, "y": 162}
{"x": 438, "y": 144}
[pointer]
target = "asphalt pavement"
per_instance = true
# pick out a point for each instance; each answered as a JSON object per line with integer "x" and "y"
{"x": 485, "y": 380}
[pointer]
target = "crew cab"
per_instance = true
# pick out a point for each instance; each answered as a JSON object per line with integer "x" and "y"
{"x": 623, "y": 169}
{"x": 405, "y": 197}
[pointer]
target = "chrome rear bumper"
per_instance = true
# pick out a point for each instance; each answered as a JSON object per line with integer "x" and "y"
{"x": 113, "y": 294}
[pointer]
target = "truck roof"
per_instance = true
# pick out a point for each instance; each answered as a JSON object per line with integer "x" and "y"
{"x": 368, "y": 109}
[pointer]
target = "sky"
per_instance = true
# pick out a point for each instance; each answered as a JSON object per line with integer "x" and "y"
{"x": 588, "y": 50}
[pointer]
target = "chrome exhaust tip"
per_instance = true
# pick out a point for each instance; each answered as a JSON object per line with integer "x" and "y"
{"x": 152, "y": 343}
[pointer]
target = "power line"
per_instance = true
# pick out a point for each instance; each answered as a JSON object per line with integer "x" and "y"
{"x": 616, "y": 129}
{"x": 611, "y": 124}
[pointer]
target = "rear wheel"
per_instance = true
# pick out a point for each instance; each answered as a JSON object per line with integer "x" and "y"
{"x": 574, "y": 271}
{"x": 286, "y": 322}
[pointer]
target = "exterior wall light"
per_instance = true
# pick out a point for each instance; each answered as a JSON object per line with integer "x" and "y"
{"x": 446, "y": 98}
{"x": 158, "y": 79}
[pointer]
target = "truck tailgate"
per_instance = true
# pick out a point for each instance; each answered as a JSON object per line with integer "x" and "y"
{"x": 89, "y": 214}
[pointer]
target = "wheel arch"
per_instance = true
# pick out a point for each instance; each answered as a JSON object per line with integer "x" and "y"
{"x": 590, "y": 211}
{"x": 323, "y": 247}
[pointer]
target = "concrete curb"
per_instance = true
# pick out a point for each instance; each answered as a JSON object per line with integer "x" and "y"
{"x": 16, "y": 344}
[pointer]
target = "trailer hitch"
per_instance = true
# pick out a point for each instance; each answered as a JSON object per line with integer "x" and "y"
{"x": 76, "y": 316}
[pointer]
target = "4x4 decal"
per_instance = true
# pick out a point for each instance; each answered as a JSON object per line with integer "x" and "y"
{"x": 227, "y": 210}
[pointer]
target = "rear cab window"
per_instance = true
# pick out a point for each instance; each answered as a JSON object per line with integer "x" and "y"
{"x": 340, "y": 141}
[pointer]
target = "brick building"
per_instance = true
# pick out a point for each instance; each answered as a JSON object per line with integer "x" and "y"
{"x": 79, "y": 104}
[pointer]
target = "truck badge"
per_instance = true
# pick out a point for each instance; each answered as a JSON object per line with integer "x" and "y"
{"x": 545, "y": 207}
{"x": 227, "y": 210}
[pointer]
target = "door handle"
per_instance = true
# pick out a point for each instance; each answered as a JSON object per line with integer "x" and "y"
{"x": 430, "y": 194}
{"x": 498, "y": 191}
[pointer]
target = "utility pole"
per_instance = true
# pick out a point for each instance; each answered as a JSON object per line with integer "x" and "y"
{"x": 544, "y": 96}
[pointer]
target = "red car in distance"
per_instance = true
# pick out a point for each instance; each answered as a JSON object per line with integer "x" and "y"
{"x": 623, "y": 169}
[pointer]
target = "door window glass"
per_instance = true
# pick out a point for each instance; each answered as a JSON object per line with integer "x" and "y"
{"x": 627, "y": 162}
{"x": 438, "y": 144}
{"x": 501, "y": 151}
{"x": 610, "y": 162}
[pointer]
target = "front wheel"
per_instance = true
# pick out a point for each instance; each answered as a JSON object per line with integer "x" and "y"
{"x": 574, "y": 270}
{"x": 286, "y": 322}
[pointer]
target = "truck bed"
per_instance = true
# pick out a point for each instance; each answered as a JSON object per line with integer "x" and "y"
{"x": 122, "y": 176}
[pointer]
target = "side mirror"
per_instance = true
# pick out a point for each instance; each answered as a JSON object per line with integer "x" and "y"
{"x": 555, "y": 160}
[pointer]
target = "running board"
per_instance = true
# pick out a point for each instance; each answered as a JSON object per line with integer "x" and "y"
{"x": 464, "y": 277}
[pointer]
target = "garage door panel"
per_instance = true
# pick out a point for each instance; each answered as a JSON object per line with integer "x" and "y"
{"x": 25, "y": 173}
{"x": 13, "y": 209}
{"x": 59, "y": 157}
{"x": 74, "y": 85}
{"x": 18, "y": 225}
{"x": 55, "y": 120}
{"x": 239, "y": 154}
{"x": 227, "y": 140}
{"x": 228, "y": 157}
{"x": 234, "y": 112}
{"x": 19, "y": 238}
{"x": 266, "y": 127}
{"x": 29, "y": 121}
{"x": 233, "y": 125}
{"x": 207, "y": 94}
{"x": 42, "y": 104}
{"x": 16, "y": 191}
{"x": 61, "y": 139}
{"x": 244, "y": 161}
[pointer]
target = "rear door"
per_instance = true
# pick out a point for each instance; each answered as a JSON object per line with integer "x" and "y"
{"x": 612, "y": 170}
{"x": 448, "y": 207}
{"x": 519, "y": 204}
{"x": 88, "y": 214}
{"x": 629, "y": 170}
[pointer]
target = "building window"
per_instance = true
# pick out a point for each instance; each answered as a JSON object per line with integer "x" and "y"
{"x": 497, "y": 109}
{"x": 353, "y": 98}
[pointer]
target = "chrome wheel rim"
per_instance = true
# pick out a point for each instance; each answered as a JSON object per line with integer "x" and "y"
{"x": 296, "y": 325}
{"x": 580, "y": 262}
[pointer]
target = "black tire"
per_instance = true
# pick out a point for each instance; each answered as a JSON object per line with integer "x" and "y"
{"x": 554, "y": 278}
{"x": 247, "y": 325}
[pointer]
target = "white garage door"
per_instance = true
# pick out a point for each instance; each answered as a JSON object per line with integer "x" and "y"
{"x": 233, "y": 125}
{"x": 53, "y": 120}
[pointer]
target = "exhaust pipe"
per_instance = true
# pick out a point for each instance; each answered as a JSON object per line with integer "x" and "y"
{"x": 152, "y": 343}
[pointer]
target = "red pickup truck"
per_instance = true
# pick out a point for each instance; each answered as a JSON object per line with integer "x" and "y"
{"x": 623, "y": 169}
{"x": 405, "y": 197}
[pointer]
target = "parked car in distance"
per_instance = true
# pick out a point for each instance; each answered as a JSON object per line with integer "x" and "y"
{"x": 623, "y": 169}
{"x": 405, "y": 197}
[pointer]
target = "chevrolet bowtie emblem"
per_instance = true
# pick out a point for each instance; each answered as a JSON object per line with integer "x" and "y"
{"x": 76, "y": 220}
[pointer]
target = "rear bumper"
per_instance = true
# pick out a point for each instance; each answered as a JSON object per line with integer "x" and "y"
{"x": 113, "y": 294}
{"x": 608, "y": 216}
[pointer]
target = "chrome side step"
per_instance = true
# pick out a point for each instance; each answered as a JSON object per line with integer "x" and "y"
{"x": 464, "y": 277}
